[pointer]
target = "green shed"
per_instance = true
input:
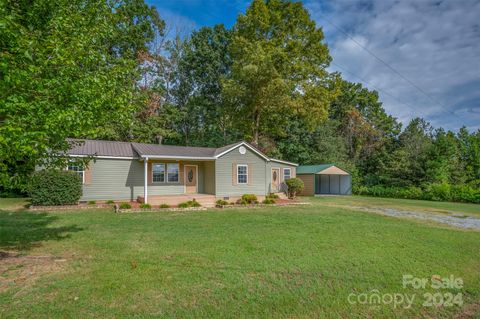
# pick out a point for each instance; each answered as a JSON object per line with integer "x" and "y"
{"x": 324, "y": 179}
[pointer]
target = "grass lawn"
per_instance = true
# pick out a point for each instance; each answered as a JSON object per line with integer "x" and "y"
{"x": 295, "y": 262}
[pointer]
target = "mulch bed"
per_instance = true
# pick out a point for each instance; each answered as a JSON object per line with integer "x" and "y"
{"x": 136, "y": 206}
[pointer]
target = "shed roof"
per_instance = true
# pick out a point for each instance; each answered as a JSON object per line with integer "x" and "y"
{"x": 317, "y": 169}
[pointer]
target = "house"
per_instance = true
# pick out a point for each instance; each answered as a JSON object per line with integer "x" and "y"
{"x": 324, "y": 179}
{"x": 154, "y": 173}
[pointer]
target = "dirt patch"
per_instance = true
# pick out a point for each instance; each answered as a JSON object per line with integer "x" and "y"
{"x": 469, "y": 311}
{"x": 20, "y": 271}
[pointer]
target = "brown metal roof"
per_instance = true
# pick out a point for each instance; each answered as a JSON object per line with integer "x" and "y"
{"x": 84, "y": 147}
{"x": 172, "y": 150}
{"x": 101, "y": 148}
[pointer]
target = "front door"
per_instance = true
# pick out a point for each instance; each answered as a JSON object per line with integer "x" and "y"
{"x": 191, "y": 179}
{"x": 275, "y": 180}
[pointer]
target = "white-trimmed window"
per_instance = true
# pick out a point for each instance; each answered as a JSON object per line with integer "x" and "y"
{"x": 172, "y": 172}
{"x": 287, "y": 173}
{"x": 77, "y": 169}
{"x": 158, "y": 173}
{"x": 242, "y": 174}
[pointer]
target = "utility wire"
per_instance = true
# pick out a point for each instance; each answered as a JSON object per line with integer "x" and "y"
{"x": 375, "y": 87}
{"x": 383, "y": 62}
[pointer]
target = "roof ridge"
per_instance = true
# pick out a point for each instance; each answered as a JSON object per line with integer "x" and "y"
{"x": 153, "y": 144}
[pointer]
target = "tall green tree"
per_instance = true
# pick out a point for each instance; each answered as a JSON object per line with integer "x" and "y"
{"x": 279, "y": 65}
{"x": 204, "y": 60}
{"x": 65, "y": 73}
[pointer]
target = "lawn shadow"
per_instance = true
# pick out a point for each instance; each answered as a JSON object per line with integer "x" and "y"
{"x": 25, "y": 230}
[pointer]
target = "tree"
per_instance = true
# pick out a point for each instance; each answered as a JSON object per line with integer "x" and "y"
{"x": 65, "y": 73}
{"x": 204, "y": 60}
{"x": 278, "y": 68}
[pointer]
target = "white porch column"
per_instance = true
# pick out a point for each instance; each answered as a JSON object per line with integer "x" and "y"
{"x": 145, "y": 176}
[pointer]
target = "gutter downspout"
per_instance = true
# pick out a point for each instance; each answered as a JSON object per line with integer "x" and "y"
{"x": 145, "y": 177}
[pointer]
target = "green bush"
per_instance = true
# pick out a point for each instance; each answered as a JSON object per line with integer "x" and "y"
{"x": 295, "y": 185}
{"x": 164, "y": 206}
{"x": 435, "y": 192}
{"x": 249, "y": 198}
{"x": 242, "y": 202}
{"x": 125, "y": 206}
{"x": 268, "y": 201}
{"x": 145, "y": 206}
{"x": 55, "y": 187}
{"x": 183, "y": 205}
{"x": 194, "y": 203}
{"x": 91, "y": 202}
{"x": 110, "y": 202}
{"x": 190, "y": 203}
{"x": 273, "y": 196}
{"x": 221, "y": 202}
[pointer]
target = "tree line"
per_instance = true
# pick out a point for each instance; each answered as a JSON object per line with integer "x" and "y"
{"x": 107, "y": 70}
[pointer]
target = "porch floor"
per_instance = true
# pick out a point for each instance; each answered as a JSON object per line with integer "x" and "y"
{"x": 206, "y": 200}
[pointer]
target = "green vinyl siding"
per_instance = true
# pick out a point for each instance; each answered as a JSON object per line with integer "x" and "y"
{"x": 209, "y": 178}
{"x": 223, "y": 170}
{"x": 281, "y": 166}
{"x": 115, "y": 179}
{"x": 120, "y": 179}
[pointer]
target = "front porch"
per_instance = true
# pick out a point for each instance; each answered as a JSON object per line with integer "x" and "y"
{"x": 174, "y": 181}
{"x": 206, "y": 200}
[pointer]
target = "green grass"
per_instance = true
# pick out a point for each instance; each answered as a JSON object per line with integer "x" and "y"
{"x": 295, "y": 262}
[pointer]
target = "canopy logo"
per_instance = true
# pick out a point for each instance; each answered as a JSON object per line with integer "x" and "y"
{"x": 428, "y": 299}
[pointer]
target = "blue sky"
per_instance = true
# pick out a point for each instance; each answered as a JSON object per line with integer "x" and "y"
{"x": 435, "y": 44}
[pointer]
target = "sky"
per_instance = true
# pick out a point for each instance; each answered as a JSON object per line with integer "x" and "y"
{"x": 422, "y": 56}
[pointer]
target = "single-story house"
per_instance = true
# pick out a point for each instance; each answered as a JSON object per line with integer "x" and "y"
{"x": 324, "y": 179}
{"x": 155, "y": 173}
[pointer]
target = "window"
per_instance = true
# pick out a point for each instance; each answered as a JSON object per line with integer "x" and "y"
{"x": 242, "y": 174}
{"x": 77, "y": 169}
{"x": 172, "y": 171}
{"x": 286, "y": 173}
{"x": 158, "y": 173}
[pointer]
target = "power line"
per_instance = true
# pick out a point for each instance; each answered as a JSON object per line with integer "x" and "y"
{"x": 375, "y": 87}
{"x": 383, "y": 62}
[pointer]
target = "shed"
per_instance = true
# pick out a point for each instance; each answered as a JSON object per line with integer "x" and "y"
{"x": 324, "y": 179}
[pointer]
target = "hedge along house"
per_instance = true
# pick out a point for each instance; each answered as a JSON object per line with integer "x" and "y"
{"x": 155, "y": 174}
{"x": 324, "y": 179}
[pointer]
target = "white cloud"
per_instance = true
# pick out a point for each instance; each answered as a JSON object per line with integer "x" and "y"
{"x": 435, "y": 44}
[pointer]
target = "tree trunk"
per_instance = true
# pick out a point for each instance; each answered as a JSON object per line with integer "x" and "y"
{"x": 256, "y": 128}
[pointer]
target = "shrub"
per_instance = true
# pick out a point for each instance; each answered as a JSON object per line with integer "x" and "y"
{"x": 273, "y": 196}
{"x": 91, "y": 202}
{"x": 249, "y": 198}
{"x": 110, "y": 202}
{"x": 183, "y": 205}
{"x": 145, "y": 206}
{"x": 194, "y": 203}
{"x": 190, "y": 203}
{"x": 242, "y": 202}
{"x": 164, "y": 206}
{"x": 55, "y": 187}
{"x": 221, "y": 202}
{"x": 436, "y": 192}
{"x": 125, "y": 206}
{"x": 268, "y": 201}
{"x": 295, "y": 185}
